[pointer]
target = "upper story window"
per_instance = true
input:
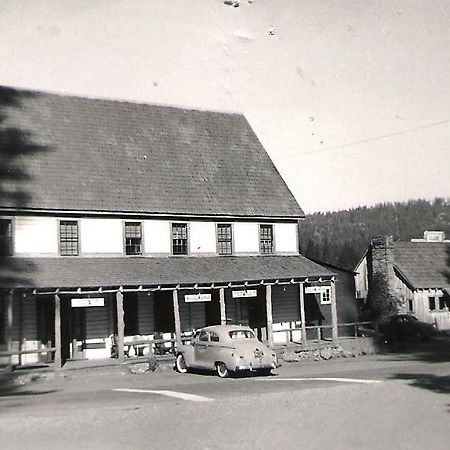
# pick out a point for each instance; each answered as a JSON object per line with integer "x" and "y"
{"x": 68, "y": 237}
{"x": 266, "y": 239}
{"x": 5, "y": 237}
{"x": 224, "y": 239}
{"x": 133, "y": 238}
{"x": 179, "y": 239}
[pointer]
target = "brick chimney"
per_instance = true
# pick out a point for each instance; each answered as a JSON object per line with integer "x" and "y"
{"x": 381, "y": 259}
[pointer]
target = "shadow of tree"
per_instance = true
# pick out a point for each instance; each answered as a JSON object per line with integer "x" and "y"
{"x": 17, "y": 145}
{"x": 435, "y": 383}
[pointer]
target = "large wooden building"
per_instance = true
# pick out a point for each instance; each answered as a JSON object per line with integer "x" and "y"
{"x": 121, "y": 221}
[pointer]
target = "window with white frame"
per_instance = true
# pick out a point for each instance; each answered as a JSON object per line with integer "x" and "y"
{"x": 179, "y": 239}
{"x": 68, "y": 238}
{"x": 325, "y": 296}
{"x": 133, "y": 238}
{"x": 266, "y": 239}
{"x": 224, "y": 239}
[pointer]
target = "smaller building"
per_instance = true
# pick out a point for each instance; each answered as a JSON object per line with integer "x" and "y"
{"x": 418, "y": 273}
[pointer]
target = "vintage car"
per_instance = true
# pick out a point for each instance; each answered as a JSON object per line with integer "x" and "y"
{"x": 226, "y": 349}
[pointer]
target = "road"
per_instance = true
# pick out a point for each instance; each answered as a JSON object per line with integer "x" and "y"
{"x": 377, "y": 402}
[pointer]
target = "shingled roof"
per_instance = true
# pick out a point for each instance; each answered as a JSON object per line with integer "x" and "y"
{"x": 121, "y": 271}
{"x": 82, "y": 154}
{"x": 423, "y": 265}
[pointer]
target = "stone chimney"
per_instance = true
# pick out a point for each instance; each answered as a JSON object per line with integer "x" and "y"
{"x": 381, "y": 259}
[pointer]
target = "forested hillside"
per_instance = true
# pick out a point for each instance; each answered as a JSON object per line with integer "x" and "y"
{"x": 342, "y": 237}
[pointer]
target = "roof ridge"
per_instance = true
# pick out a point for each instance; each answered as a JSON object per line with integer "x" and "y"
{"x": 43, "y": 92}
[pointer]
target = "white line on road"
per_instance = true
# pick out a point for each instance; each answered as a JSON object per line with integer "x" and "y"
{"x": 342, "y": 380}
{"x": 180, "y": 395}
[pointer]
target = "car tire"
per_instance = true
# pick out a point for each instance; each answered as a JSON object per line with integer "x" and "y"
{"x": 264, "y": 372}
{"x": 222, "y": 370}
{"x": 181, "y": 364}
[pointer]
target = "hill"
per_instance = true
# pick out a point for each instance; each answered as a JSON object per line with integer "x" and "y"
{"x": 342, "y": 237}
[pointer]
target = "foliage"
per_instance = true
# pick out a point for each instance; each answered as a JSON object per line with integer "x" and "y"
{"x": 381, "y": 303}
{"x": 342, "y": 237}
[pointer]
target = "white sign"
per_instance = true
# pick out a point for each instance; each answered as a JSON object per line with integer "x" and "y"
{"x": 191, "y": 298}
{"x": 242, "y": 294}
{"x": 85, "y": 302}
{"x": 316, "y": 289}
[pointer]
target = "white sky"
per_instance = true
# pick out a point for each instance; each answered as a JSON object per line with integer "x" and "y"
{"x": 350, "y": 98}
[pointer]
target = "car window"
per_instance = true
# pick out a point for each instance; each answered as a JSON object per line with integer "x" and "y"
{"x": 241, "y": 334}
{"x": 203, "y": 336}
{"x": 214, "y": 337}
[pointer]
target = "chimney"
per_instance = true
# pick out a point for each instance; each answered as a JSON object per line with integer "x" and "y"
{"x": 382, "y": 259}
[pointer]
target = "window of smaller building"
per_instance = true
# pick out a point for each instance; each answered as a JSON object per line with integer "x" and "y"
{"x": 224, "y": 239}
{"x": 179, "y": 239}
{"x": 5, "y": 237}
{"x": 68, "y": 238}
{"x": 325, "y": 296}
{"x": 432, "y": 303}
{"x": 266, "y": 239}
{"x": 442, "y": 303}
{"x": 133, "y": 238}
{"x": 410, "y": 305}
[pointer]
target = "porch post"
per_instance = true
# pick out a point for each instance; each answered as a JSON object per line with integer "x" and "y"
{"x": 176, "y": 313}
{"x": 9, "y": 327}
{"x": 58, "y": 360}
{"x": 301, "y": 293}
{"x": 120, "y": 326}
{"x": 334, "y": 319}
{"x": 269, "y": 315}
{"x": 223, "y": 314}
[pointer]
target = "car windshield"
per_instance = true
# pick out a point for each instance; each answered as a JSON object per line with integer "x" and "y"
{"x": 241, "y": 334}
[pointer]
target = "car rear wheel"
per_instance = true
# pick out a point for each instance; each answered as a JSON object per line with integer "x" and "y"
{"x": 181, "y": 364}
{"x": 264, "y": 372}
{"x": 222, "y": 370}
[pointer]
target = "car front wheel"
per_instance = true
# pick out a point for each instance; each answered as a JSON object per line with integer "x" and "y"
{"x": 181, "y": 364}
{"x": 222, "y": 370}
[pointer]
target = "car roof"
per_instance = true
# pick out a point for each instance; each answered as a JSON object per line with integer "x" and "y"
{"x": 224, "y": 329}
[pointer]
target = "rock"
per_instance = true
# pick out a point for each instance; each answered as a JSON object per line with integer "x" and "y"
{"x": 326, "y": 353}
{"x": 290, "y": 356}
{"x": 139, "y": 368}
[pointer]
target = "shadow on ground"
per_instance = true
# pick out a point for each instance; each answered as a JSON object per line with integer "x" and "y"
{"x": 435, "y": 383}
{"x": 13, "y": 384}
{"x": 434, "y": 350}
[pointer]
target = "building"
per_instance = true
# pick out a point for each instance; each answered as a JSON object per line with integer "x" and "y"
{"x": 418, "y": 273}
{"x": 123, "y": 222}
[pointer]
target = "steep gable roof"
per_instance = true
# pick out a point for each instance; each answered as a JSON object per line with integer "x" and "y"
{"x": 82, "y": 154}
{"x": 423, "y": 264}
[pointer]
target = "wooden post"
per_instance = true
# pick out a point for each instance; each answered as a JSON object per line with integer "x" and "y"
{"x": 223, "y": 314}
{"x": 269, "y": 315}
{"x": 334, "y": 318}
{"x": 120, "y": 326}
{"x": 302, "y": 311}
{"x": 58, "y": 360}
{"x": 9, "y": 325}
{"x": 176, "y": 313}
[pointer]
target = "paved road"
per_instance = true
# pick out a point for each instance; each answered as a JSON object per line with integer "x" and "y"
{"x": 370, "y": 402}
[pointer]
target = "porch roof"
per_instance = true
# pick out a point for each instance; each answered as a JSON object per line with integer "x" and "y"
{"x": 73, "y": 272}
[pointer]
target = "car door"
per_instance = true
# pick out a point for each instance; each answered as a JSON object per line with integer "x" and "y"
{"x": 201, "y": 350}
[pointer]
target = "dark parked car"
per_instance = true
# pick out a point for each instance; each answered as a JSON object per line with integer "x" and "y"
{"x": 406, "y": 326}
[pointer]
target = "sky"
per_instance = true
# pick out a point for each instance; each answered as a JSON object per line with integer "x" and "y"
{"x": 350, "y": 98}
